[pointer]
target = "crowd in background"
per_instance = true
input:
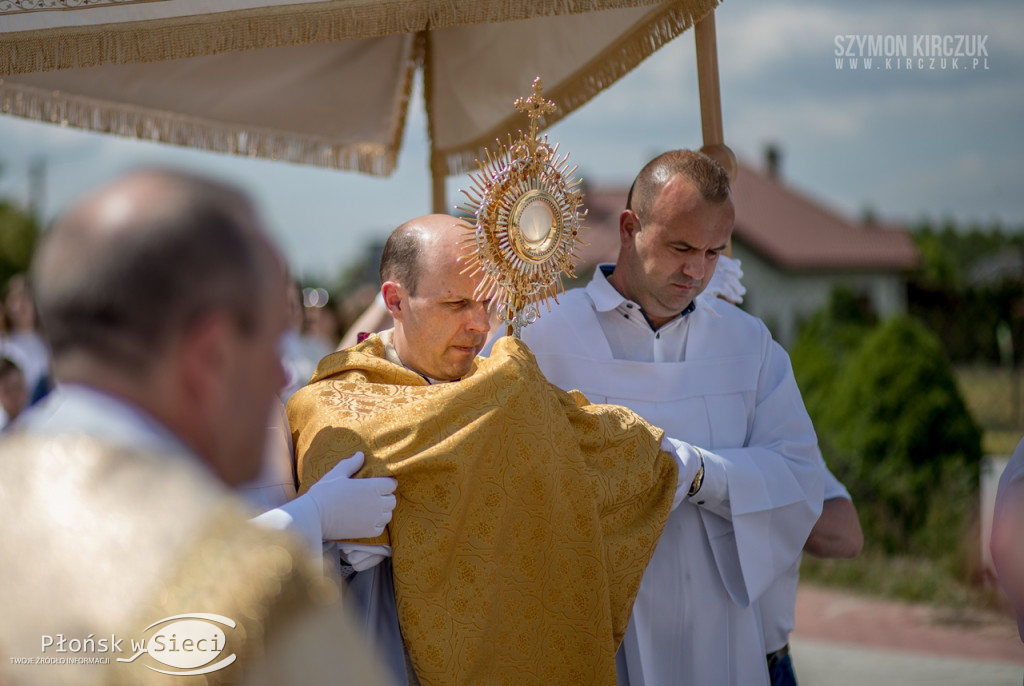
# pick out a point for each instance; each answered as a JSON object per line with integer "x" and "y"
{"x": 24, "y": 357}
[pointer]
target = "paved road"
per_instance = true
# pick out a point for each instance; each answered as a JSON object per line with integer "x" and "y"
{"x": 844, "y": 640}
{"x": 821, "y": 663}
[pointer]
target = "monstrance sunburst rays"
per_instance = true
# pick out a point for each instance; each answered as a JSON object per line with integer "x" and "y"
{"x": 528, "y": 209}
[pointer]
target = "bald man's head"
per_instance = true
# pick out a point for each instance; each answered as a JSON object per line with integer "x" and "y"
{"x": 440, "y": 326}
{"x": 412, "y": 244}
{"x": 705, "y": 174}
{"x": 136, "y": 262}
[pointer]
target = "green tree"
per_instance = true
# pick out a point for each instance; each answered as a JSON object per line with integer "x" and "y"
{"x": 966, "y": 285}
{"x": 824, "y": 343}
{"x": 19, "y": 233}
{"x": 940, "y": 266}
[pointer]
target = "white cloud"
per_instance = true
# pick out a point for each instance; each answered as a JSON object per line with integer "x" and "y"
{"x": 753, "y": 42}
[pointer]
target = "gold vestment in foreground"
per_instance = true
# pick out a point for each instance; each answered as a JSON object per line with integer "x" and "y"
{"x": 526, "y": 515}
{"x": 102, "y": 540}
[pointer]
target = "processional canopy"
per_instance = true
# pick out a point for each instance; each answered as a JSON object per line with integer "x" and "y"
{"x": 528, "y": 208}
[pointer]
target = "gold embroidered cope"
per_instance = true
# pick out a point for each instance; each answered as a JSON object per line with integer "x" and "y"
{"x": 526, "y": 515}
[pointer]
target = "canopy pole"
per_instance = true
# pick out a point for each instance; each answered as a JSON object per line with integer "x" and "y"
{"x": 710, "y": 95}
{"x": 711, "y": 100}
{"x": 707, "y": 79}
{"x": 439, "y": 185}
{"x": 438, "y": 161}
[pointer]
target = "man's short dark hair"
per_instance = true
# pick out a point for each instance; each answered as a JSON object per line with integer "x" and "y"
{"x": 120, "y": 289}
{"x": 706, "y": 175}
{"x": 401, "y": 257}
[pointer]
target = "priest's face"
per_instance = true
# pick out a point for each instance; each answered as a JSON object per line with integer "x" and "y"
{"x": 441, "y": 327}
{"x": 669, "y": 256}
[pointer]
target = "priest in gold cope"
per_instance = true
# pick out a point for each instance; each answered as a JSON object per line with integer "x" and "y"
{"x": 526, "y": 515}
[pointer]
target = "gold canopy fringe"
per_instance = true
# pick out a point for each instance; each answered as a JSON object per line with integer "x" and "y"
{"x": 158, "y": 40}
{"x": 605, "y": 69}
{"x": 192, "y": 132}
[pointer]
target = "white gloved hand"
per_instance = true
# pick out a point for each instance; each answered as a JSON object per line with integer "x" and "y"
{"x": 364, "y": 557}
{"x": 353, "y": 508}
{"x": 688, "y": 460}
{"x": 725, "y": 282}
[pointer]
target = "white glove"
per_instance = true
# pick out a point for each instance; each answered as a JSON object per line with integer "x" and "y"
{"x": 725, "y": 282}
{"x": 353, "y": 508}
{"x": 688, "y": 460}
{"x": 363, "y": 557}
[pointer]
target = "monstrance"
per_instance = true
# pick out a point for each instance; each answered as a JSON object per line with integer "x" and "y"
{"x": 528, "y": 209}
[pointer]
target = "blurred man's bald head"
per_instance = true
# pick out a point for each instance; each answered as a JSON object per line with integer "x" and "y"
{"x": 133, "y": 264}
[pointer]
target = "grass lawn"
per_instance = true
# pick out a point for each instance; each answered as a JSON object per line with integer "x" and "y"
{"x": 995, "y": 398}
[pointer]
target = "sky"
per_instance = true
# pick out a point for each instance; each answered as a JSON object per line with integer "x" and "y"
{"x": 908, "y": 142}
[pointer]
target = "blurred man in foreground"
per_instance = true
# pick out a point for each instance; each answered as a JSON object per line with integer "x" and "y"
{"x": 163, "y": 303}
{"x": 1008, "y": 533}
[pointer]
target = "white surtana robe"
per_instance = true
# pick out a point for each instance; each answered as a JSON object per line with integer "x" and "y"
{"x": 729, "y": 391}
{"x": 778, "y": 602}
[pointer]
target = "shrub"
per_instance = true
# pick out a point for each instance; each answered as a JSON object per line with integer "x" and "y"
{"x": 823, "y": 345}
{"x": 909, "y": 448}
{"x": 893, "y": 427}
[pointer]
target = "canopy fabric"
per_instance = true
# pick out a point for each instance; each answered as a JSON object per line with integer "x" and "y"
{"x": 322, "y": 83}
